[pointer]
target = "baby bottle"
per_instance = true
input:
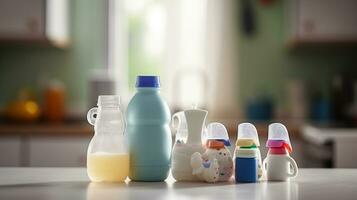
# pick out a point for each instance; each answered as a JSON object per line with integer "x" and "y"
{"x": 247, "y": 154}
{"x": 278, "y": 164}
{"x": 217, "y": 143}
{"x": 148, "y": 118}
{"x": 107, "y": 157}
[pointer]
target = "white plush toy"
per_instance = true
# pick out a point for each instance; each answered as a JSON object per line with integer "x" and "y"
{"x": 205, "y": 169}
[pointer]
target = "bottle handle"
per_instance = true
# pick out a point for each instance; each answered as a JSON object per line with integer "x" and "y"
{"x": 293, "y": 165}
{"x": 92, "y": 115}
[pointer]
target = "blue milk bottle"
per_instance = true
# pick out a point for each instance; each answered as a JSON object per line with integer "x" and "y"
{"x": 247, "y": 164}
{"x": 248, "y": 159}
{"x": 148, "y": 118}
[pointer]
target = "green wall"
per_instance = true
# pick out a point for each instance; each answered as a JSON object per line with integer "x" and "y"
{"x": 26, "y": 66}
{"x": 266, "y": 63}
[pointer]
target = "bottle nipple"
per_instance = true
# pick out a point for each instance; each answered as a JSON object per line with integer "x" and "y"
{"x": 247, "y": 136}
{"x": 218, "y": 133}
{"x": 278, "y": 136}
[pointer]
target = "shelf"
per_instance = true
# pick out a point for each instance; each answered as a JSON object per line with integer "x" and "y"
{"x": 35, "y": 22}
{"x": 71, "y": 129}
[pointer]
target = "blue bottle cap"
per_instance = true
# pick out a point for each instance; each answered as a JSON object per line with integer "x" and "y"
{"x": 148, "y": 81}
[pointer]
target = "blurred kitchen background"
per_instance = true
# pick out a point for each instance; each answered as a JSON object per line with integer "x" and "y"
{"x": 261, "y": 61}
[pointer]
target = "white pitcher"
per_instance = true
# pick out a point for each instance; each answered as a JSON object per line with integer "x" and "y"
{"x": 183, "y": 149}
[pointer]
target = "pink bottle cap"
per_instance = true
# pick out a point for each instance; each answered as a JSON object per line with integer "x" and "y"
{"x": 278, "y": 150}
{"x": 276, "y": 144}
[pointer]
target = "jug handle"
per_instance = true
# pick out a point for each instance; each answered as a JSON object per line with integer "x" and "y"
{"x": 173, "y": 124}
{"x": 293, "y": 165}
{"x": 92, "y": 115}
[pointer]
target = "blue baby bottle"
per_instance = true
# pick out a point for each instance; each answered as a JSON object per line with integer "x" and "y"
{"x": 248, "y": 166}
{"x": 148, "y": 130}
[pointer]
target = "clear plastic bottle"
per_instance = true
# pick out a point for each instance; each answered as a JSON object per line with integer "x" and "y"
{"x": 107, "y": 157}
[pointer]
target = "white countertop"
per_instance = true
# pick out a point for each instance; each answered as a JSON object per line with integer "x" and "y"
{"x": 320, "y": 135}
{"x": 72, "y": 183}
{"x": 342, "y": 141}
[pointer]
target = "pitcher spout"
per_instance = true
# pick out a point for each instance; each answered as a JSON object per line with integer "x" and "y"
{"x": 195, "y": 119}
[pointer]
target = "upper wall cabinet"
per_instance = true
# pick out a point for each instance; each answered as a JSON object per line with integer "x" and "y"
{"x": 322, "y": 21}
{"x": 35, "y": 22}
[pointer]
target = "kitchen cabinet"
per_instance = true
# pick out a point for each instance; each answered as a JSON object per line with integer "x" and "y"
{"x": 44, "y": 145}
{"x": 58, "y": 151}
{"x": 34, "y": 21}
{"x": 322, "y": 21}
{"x": 331, "y": 143}
{"x": 10, "y": 151}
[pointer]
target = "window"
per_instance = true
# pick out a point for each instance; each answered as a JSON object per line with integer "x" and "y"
{"x": 182, "y": 41}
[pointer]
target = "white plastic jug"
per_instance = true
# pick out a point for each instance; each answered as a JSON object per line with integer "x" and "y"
{"x": 183, "y": 149}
